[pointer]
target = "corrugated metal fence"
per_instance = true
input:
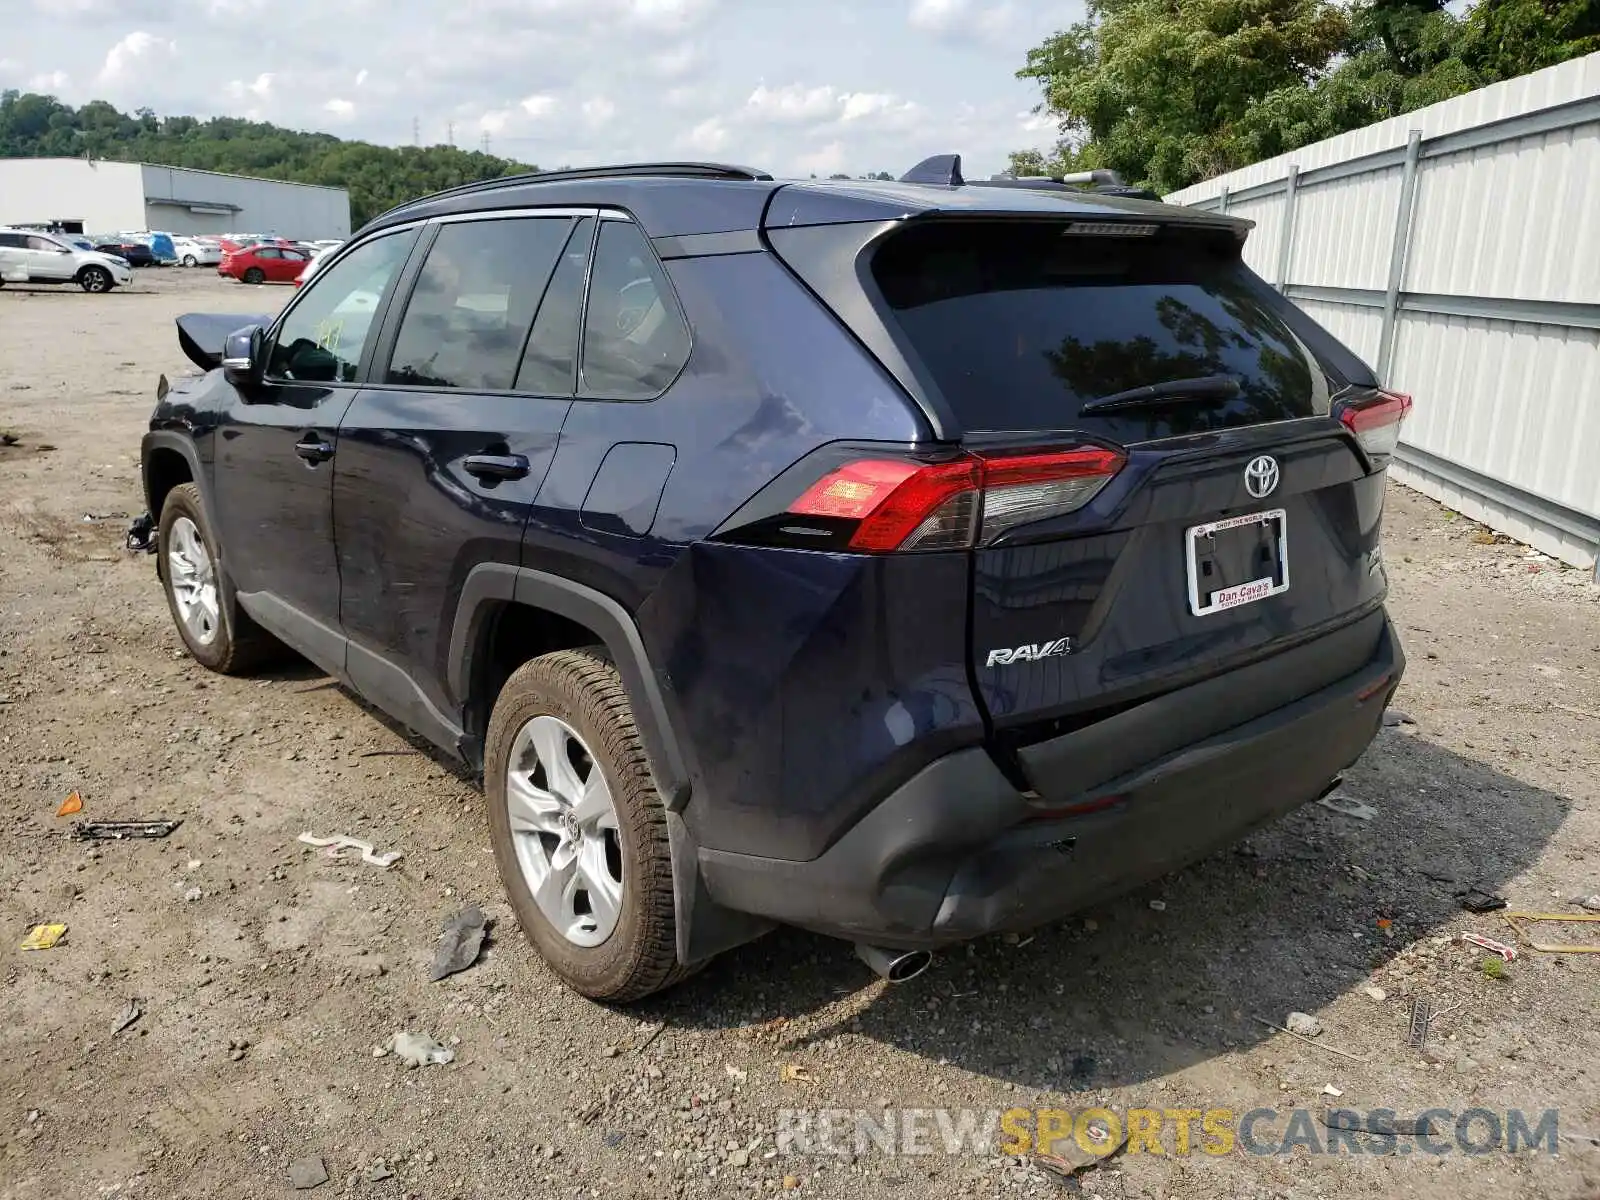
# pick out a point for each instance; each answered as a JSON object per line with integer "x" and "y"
{"x": 1457, "y": 249}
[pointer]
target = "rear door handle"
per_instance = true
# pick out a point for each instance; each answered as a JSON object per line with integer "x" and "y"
{"x": 497, "y": 466}
{"x": 314, "y": 452}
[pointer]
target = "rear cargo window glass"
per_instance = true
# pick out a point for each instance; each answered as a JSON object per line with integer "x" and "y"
{"x": 1022, "y": 324}
{"x": 474, "y": 301}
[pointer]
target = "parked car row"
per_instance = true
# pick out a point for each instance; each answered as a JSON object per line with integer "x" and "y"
{"x": 30, "y": 257}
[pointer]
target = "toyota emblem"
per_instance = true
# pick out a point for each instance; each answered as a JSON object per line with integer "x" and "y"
{"x": 1261, "y": 476}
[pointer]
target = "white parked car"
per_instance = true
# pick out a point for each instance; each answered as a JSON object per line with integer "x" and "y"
{"x": 194, "y": 253}
{"x": 30, "y": 257}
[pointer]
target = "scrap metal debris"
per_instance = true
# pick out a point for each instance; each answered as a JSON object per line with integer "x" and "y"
{"x": 142, "y": 535}
{"x": 1393, "y": 717}
{"x": 459, "y": 942}
{"x": 44, "y": 937}
{"x": 339, "y": 843}
{"x": 1075, "y": 1157}
{"x": 1550, "y": 947}
{"x": 1421, "y": 1017}
{"x": 1379, "y": 1123}
{"x": 116, "y": 831}
{"x": 1319, "y": 1045}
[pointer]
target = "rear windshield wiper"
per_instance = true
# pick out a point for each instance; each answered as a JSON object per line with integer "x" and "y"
{"x": 1205, "y": 387}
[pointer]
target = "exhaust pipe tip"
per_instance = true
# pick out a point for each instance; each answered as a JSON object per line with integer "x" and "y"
{"x": 896, "y": 966}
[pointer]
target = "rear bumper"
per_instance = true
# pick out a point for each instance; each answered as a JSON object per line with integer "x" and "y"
{"x": 957, "y": 851}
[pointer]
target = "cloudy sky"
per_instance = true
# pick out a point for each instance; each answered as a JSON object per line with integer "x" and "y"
{"x": 794, "y": 86}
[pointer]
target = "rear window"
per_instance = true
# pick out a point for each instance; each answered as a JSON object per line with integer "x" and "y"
{"x": 1020, "y": 325}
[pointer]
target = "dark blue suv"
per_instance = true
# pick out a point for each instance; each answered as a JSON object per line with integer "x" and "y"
{"x": 903, "y": 561}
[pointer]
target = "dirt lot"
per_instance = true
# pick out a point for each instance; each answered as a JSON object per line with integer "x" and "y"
{"x": 267, "y": 972}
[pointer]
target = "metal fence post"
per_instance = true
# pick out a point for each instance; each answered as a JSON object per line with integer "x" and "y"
{"x": 1222, "y": 201}
{"x": 1286, "y": 239}
{"x": 1397, "y": 254}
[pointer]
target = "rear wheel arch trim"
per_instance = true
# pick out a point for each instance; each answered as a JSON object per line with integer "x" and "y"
{"x": 489, "y": 585}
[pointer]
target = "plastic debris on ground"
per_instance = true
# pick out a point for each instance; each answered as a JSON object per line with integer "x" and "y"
{"x": 131, "y": 1012}
{"x": 1344, "y": 804}
{"x": 1509, "y": 953}
{"x": 72, "y": 804}
{"x": 117, "y": 831}
{"x": 1074, "y": 1158}
{"x": 44, "y": 937}
{"x": 307, "y": 1173}
{"x": 1476, "y": 900}
{"x": 142, "y": 535}
{"x": 417, "y": 1050}
{"x": 1393, "y": 717}
{"x": 1303, "y": 1023}
{"x": 339, "y": 843}
{"x": 459, "y": 943}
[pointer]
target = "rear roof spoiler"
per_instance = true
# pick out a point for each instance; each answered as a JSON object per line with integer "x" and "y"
{"x": 944, "y": 170}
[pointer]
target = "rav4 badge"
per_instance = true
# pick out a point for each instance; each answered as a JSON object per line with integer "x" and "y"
{"x": 1000, "y": 658}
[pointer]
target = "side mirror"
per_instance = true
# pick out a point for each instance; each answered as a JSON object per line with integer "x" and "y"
{"x": 242, "y": 356}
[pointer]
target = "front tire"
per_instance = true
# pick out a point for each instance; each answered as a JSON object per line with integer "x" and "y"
{"x": 95, "y": 279}
{"x": 189, "y": 261}
{"x": 255, "y": 275}
{"x": 578, "y": 829}
{"x": 215, "y": 631}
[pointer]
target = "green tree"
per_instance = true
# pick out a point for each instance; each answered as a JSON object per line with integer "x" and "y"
{"x": 377, "y": 177}
{"x": 1169, "y": 92}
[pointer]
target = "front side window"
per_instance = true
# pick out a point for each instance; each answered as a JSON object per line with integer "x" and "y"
{"x": 474, "y": 301}
{"x": 43, "y": 243}
{"x": 321, "y": 338}
{"x": 634, "y": 338}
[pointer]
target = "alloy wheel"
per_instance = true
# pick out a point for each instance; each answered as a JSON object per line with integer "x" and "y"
{"x": 564, "y": 829}
{"x": 193, "y": 579}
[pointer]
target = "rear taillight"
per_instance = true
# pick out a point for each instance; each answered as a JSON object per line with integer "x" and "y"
{"x": 898, "y": 505}
{"x": 1375, "y": 419}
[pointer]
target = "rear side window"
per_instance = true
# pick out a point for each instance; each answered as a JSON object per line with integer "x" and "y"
{"x": 634, "y": 338}
{"x": 1021, "y": 324}
{"x": 474, "y": 301}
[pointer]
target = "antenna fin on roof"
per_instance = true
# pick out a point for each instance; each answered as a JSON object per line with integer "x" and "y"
{"x": 942, "y": 169}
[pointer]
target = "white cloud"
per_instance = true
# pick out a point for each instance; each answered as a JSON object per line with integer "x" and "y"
{"x": 794, "y": 103}
{"x": 598, "y": 111}
{"x": 260, "y": 87}
{"x": 51, "y": 82}
{"x": 343, "y": 109}
{"x": 1032, "y": 122}
{"x": 495, "y": 121}
{"x": 361, "y": 76}
{"x": 135, "y": 55}
{"x": 675, "y": 63}
{"x": 965, "y": 18}
{"x": 540, "y": 105}
{"x": 825, "y": 160}
{"x": 710, "y": 136}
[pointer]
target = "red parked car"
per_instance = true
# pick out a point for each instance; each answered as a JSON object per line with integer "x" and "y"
{"x": 263, "y": 264}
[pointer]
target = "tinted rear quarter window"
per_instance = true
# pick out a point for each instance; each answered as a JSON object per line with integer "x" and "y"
{"x": 634, "y": 338}
{"x": 550, "y": 361}
{"x": 1022, "y": 323}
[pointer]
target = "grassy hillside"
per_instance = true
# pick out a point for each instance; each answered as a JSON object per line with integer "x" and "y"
{"x": 378, "y": 177}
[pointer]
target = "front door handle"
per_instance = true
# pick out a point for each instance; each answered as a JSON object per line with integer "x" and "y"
{"x": 488, "y": 467}
{"x": 314, "y": 452}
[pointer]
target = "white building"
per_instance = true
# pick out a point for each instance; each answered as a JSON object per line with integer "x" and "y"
{"x": 86, "y": 196}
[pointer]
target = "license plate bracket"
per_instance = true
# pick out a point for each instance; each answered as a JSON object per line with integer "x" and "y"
{"x": 1237, "y": 561}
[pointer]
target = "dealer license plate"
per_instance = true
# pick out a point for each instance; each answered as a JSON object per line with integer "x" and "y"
{"x": 1237, "y": 561}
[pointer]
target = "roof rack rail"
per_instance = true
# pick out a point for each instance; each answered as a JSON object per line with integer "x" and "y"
{"x": 675, "y": 170}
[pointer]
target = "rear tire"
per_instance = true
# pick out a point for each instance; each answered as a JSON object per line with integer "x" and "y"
{"x": 583, "y": 693}
{"x": 95, "y": 279}
{"x": 255, "y": 275}
{"x": 216, "y": 632}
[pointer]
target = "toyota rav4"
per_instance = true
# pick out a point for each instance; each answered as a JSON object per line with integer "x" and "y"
{"x": 904, "y": 561}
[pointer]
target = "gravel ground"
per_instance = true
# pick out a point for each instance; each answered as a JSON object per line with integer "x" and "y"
{"x": 267, "y": 973}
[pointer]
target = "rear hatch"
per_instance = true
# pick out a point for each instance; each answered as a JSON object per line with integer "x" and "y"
{"x": 1168, "y": 488}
